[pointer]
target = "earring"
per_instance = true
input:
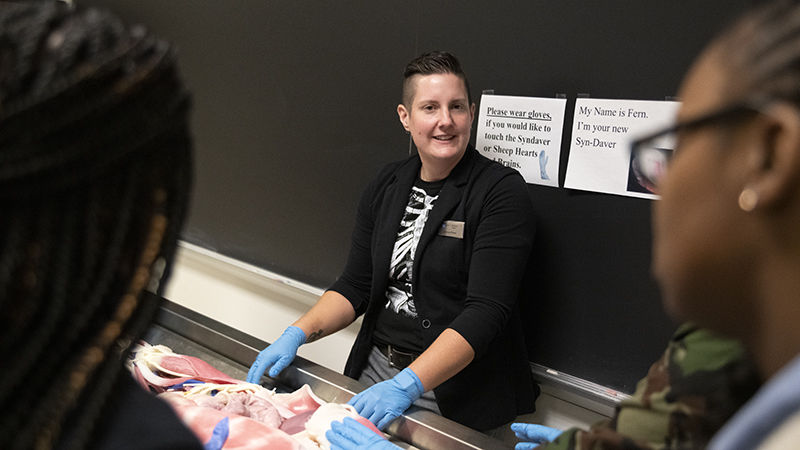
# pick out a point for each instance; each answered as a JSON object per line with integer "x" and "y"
{"x": 748, "y": 199}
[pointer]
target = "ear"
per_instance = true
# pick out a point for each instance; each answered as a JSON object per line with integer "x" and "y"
{"x": 774, "y": 162}
{"x": 471, "y": 113}
{"x": 402, "y": 113}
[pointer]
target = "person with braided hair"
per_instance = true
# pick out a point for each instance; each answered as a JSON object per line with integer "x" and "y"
{"x": 95, "y": 170}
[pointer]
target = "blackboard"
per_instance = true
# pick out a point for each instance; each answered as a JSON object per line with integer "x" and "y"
{"x": 295, "y": 111}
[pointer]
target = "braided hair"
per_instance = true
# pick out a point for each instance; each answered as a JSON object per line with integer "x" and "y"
{"x": 763, "y": 50}
{"x": 94, "y": 179}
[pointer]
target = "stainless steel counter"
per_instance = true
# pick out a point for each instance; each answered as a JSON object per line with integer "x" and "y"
{"x": 232, "y": 352}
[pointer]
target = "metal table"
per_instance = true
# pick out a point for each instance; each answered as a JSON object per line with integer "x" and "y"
{"x": 231, "y": 351}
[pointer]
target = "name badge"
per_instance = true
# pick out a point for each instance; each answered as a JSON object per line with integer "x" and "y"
{"x": 452, "y": 228}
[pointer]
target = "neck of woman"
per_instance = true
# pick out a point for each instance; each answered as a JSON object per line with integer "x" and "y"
{"x": 775, "y": 337}
{"x": 438, "y": 169}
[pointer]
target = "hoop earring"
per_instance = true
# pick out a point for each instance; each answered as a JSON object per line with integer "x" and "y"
{"x": 748, "y": 200}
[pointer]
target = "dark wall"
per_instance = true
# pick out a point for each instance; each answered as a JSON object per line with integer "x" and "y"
{"x": 295, "y": 111}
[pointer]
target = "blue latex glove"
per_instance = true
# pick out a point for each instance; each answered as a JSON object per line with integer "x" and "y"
{"x": 533, "y": 434}
{"x": 381, "y": 403}
{"x": 277, "y": 356}
{"x": 351, "y": 435}
{"x": 218, "y": 436}
{"x": 543, "y": 165}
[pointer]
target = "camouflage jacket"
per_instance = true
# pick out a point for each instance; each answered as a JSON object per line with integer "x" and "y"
{"x": 688, "y": 394}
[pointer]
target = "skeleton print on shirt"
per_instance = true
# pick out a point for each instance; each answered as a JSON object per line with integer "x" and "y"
{"x": 399, "y": 297}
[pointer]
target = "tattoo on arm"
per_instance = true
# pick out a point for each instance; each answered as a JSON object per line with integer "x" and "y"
{"x": 314, "y": 336}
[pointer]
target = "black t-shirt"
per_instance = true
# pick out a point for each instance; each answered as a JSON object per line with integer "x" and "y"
{"x": 398, "y": 323}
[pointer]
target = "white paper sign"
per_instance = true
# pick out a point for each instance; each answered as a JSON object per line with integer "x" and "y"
{"x": 602, "y": 130}
{"x": 523, "y": 133}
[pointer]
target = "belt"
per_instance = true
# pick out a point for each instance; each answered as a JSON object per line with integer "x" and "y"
{"x": 397, "y": 358}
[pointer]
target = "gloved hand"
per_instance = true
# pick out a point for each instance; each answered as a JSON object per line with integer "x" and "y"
{"x": 383, "y": 402}
{"x": 351, "y": 435}
{"x": 278, "y": 355}
{"x": 543, "y": 165}
{"x": 533, "y": 434}
{"x": 218, "y": 436}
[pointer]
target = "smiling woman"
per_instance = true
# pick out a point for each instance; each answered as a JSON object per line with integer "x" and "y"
{"x": 439, "y": 119}
{"x": 441, "y": 325}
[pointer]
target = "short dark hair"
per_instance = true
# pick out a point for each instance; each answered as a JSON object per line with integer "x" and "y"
{"x": 428, "y": 64}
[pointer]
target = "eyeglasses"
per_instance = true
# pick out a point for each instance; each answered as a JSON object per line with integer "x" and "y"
{"x": 651, "y": 154}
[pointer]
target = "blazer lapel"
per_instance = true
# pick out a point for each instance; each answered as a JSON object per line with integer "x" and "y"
{"x": 388, "y": 222}
{"x": 449, "y": 198}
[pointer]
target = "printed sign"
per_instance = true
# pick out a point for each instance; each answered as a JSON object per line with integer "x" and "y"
{"x": 600, "y": 159}
{"x": 523, "y": 133}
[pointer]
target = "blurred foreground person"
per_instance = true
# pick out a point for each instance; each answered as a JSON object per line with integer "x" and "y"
{"x": 94, "y": 181}
{"x": 726, "y": 242}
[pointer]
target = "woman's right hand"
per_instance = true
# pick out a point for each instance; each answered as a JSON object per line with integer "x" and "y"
{"x": 277, "y": 356}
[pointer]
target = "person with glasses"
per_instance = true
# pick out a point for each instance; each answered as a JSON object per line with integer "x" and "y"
{"x": 726, "y": 250}
{"x": 726, "y": 247}
{"x": 652, "y": 153}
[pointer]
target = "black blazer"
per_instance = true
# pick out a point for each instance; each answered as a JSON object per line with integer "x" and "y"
{"x": 469, "y": 284}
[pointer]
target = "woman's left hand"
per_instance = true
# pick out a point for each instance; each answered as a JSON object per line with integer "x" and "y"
{"x": 385, "y": 401}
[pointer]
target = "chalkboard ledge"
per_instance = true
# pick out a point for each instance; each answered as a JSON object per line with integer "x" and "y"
{"x": 588, "y": 395}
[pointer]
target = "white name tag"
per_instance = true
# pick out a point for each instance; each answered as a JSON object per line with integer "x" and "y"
{"x": 452, "y": 228}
